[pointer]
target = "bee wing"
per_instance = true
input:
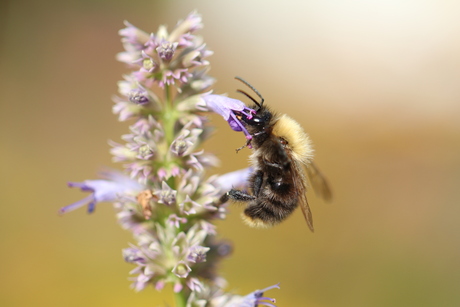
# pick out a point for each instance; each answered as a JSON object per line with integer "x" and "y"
{"x": 318, "y": 181}
{"x": 306, "y": 211}
{"x": 300, "y": 182}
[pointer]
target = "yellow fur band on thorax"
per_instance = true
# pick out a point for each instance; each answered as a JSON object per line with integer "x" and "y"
{"x": 298, "y": 140}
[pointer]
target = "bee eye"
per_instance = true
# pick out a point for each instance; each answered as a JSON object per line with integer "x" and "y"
{"x": 255, "y": 121}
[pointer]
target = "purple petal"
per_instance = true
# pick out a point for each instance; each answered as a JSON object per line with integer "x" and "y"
{"x": 103, "y": 190}
{"x": 134, "y": 35}
{"x": 255, "y": 298}
{"x": 227, "y": 107}
{"x": 277, "y": 286}
{"x": 91, "y": 207}
{"x": 160, "y": 285}
{"x": 223, "y": 105}
{"x": 76, "y": 205}
{"x": 177, "y": 287}
{"x": 234, "y": 179}
{"x": 234, "y": 124}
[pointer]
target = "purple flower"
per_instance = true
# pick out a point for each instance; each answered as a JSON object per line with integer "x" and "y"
{"x": 234, "y": 179}
{"x": 133, "y": 35}
{"x": 195, "y": 58}
{"x": 132, "y": 91}
{"x": 125, "y": 109}
{"x": 140, "y": 282}
{"x": 175, "y": 220}
{"x": 227, "y": 107}
{"x": 181, "y": 269}
{"x": 162, "y": 58}
{"x": 173, "y": 75}
{"x": 253, "y": 299}
{"x": 139, "y": 96}
{"x": 200, "y": 160}
{"x": 197, "y": 254}
{"x": 188, "y": 206}
{"x": 166, "y": 50}
{"x": 134, "y": 41}
{"x": 182, "y": 31}
{"x": 256, "y": 298}
{"x": 166, "y": 195}
{"x": 189, "y": 183}
{"x": 195, "y": 285}
{"x": 186, "y": 141}
{"x": 208, "y": 227}
{"x": 146, "y": 62}
{"x": 133, "y": 255}
{"x": 198, "y": 82}
{"x": 108, "y": 190}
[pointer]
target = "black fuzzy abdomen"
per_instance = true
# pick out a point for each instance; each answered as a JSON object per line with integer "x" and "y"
{"x": 270, "y": 211}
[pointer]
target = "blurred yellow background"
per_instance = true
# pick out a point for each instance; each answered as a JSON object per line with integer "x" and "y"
{"x": 374, "y": 83}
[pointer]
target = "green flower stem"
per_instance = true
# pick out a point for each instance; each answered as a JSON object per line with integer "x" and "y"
{"x": 181, "y": 300}
{"x": 170, "y": 117}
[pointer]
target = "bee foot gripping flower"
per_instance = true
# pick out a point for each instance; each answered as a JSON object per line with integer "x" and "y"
{"x": 166, "y": 200}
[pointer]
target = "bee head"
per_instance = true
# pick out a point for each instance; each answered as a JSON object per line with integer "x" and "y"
{"x": 262, "y": 115}
{"x": 260, "y": 119}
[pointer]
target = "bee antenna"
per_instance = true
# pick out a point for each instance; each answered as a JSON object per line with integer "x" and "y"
{"x": 259, "y": 104}
{"x": 249, "y": 96}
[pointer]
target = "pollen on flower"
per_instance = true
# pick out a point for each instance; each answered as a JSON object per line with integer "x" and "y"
{"x": 144, "y": 199}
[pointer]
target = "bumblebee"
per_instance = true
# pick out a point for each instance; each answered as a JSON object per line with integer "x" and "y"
{"x": 281, "y": 160}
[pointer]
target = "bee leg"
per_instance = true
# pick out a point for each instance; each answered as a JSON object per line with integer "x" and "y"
{"x": 257, "y": 182}
{"x": 223, "y": 199}
{"x": 248, "y": 144}
{"x": 235, "y": 195}
{"x": 238, "y": 149}
{"x": 238, "y": 195}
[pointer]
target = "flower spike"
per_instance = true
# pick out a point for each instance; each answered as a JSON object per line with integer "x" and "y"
{"x": 164, "y": 196}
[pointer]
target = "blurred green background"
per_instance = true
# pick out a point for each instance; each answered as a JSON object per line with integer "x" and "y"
{"x": 374, "y": 83}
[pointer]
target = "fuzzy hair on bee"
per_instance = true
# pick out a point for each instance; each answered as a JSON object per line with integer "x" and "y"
{"x": 281, "y": 160}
